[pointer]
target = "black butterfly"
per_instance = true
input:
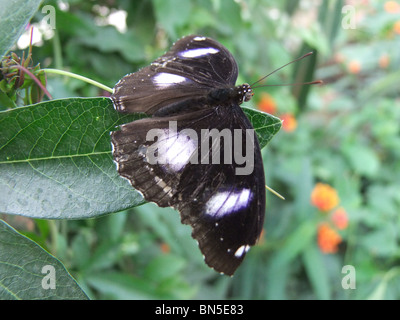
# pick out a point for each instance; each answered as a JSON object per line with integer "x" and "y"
{"x": 188, "y": 92}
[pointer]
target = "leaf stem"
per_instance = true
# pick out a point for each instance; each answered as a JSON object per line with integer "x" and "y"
{"x": 79, "y": 77}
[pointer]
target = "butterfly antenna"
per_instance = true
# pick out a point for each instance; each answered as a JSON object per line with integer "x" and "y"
{"x": 302, "y": 57}
{"x": 289, "y": 84}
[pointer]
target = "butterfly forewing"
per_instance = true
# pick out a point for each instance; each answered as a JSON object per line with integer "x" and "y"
{"x": 192, "y": 67}
{"x": 169, "y": 157}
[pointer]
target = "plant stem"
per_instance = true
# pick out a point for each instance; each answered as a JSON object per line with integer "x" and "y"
{"x": 275, "y": 192}
{"x": 57, "y": 50}
{"x": 79, "y": 77}
{"x": 34, "y": 78}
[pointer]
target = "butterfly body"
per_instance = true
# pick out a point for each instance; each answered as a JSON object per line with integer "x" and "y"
{"x": 189, "y": 153}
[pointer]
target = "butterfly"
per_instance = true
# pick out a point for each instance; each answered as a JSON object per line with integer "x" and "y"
{"x": 188, "y": 154}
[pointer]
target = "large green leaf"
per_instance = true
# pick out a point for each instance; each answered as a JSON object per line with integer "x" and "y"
{"x": 56, "y": 162}
{"x": 14, "y": 16}
{"x": 29, "y": 272}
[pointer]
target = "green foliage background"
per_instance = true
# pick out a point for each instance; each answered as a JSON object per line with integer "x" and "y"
{"x": 347, "y": 136}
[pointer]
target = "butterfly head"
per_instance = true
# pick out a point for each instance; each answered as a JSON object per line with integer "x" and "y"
{"x": 245, "y": 92}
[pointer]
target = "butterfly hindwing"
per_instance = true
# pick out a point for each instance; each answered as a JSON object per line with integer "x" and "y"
{"x": 225, "y": 209}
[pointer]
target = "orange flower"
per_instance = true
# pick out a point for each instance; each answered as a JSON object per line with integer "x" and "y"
{"x": 289, "y": 122}
{"x": 354, "y": 66}
{"x": 328, "y": 239}
{"x": 396, "y": 27}
{"x": 340, "y": 219}
{"x": 324, "y": 197}
{"x": 384, "y": 61}
{"x": 165, "y": 248}
{"x": 267, "y": 103}
{"x": 392, "y": 7}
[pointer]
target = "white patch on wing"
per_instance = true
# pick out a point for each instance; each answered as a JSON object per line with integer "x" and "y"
{"x": 165, "y": 80}
{"x": 199, "y": 52}
{"x": 175, "y": 150}
{"x": 241, "y": 251}
{"x": 226, "y": 202}
{"x": 199, "y": 38}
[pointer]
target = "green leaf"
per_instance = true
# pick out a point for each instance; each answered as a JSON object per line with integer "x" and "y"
{"x": 330, "y": 18}
{"x": 172, "y": 14}
{"x": 56, "y": 162}
{"x": 122, "y": 286}
{"x": 280, "y": 263}
{"x": 14, "y": 16}
{"x": 315, "y": 38}
{"x": 5, "y": 101}
{"x": 382, "y": 288}
{"x": 265, "y": 125}
{"x": 385, "y": 85}
{"x": 125, "y": 43}
{"x": 26, "y": 270}
{"x": 362, "y": 159}
{"x": 164, "y": 267}
{"x": 316, "y": 272}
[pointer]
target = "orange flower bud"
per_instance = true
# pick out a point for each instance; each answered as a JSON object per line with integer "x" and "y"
{"x": 392, "y": 7}
{"x": 340, "y": 218}
{"x": 289, "y": 122}
{"x": 328, "y": 239}
{"x": 324, "y": 197}
{"x": 354, "y": 66}
{"x": 267, "y": 103}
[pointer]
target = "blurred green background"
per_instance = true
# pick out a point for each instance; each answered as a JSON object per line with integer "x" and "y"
{"x": 347, "y": 136}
